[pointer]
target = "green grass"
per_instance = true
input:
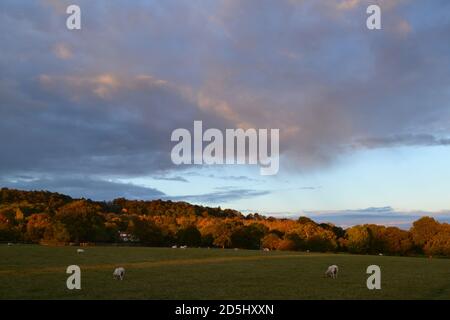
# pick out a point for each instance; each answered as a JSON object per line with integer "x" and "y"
{"x": 38, "y": 272}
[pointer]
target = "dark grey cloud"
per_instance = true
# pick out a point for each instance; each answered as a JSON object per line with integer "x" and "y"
{"x": 89, "y": 134}
{"x": 175, "y": 178}
{"x": 331, "y": 80}
{"x": 308, "y": 188}
{"x": 221, "y": 196}
{"x": 94, "y": 111}
{"x": 402, "y": 140}
{"x": 85, "y": 187}
{"x": 241, "y": 178}
{"x": 96, "y": 189}
{"x": 233, "y": 178}
{"x": 383, "y": 215}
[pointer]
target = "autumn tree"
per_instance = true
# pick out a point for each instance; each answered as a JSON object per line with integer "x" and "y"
{"x": 357, "y": 239}
{"x": 397, "y": 241}
{"x": 287, "y": 244}
{"x": 9, "y": 230}
{"x": 36, "y": 215}
{"x": 222, "y": 231}
{"x": 36, "y": 226}
{"x": 82, "y": 220}
{"x": 439, "y": 243}
{"x": 57, "y": 232}
{"x": 310, "y": 236}
{"x": 423, "y": 230}
{"x": 271, "y": 241}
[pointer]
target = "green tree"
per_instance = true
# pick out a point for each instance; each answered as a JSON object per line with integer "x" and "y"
{"x": 83, "y": 221}
{"x": 248, "y": 237}
{"x": 145, "y": 231}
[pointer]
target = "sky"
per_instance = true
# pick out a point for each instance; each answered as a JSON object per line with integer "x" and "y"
{"x": 363, "y": 114}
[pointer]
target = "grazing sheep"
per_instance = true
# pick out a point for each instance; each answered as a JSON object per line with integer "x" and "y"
{"x": 119, "y": 273}
{"x": 9, "y": 244}
{"x": 236, "y": 249}
{"x": 332, "y": 271}
{"x": 183, "y": 247}
{"x": 380, "y": 254}
{"x": 80, "y": 250}
{"x": 266, "y": 249}
{"x": 174, "y": 247}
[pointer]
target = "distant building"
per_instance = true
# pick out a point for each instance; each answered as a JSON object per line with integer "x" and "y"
{"x": 126, "y": 237}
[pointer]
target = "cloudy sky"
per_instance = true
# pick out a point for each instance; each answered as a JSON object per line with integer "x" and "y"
{"x": 364, "y": 115}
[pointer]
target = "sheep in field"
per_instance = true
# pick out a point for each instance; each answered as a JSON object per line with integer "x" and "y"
{"x": 332, "y": 271}
{"x": 174, "y": 247}
{"x": 119, "y": 273}
{"x": 80, "y": 250}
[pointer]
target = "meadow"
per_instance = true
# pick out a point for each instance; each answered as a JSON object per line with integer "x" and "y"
{"x": 39, "y": 272}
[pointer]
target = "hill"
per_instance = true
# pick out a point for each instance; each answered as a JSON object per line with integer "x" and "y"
{"x": 41, "y": 216}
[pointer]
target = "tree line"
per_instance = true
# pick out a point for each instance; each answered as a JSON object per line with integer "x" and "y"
{"x": 40, "y": 216}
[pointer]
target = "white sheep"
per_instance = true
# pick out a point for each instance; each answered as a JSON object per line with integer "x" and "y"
{"x": 80, "y": 250}
{"x": 266, "y": 249}
{"x": 332, "y": 271}
{"x": 174, "y": 247}
{"x": 9, "y": 244}
{"x": 119, "y": 273}
{"x": 183, "y": 247}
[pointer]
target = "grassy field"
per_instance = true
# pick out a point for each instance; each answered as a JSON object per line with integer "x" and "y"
{"x": 38, "y": 272}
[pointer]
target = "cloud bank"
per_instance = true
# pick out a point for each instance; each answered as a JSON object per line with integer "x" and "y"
{"x": 102, "y": 102}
